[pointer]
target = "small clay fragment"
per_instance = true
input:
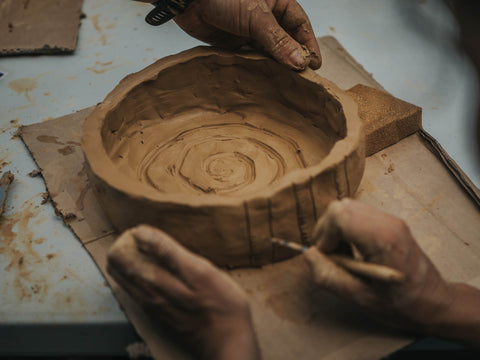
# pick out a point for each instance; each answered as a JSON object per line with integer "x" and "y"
{"x": 221, "y": 150}
{"x": 45, "y": 198}
{"x": 34, "y": 173}
{"x": 5, "y": 182}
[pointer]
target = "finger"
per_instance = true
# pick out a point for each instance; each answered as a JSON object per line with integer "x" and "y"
{"x": 190, "y": 268}
{"x": 154, "y": 304}
{"x": 157, "y": 307}
{"x": 133, "y": 288}
{"x": 377, "y": 235}
{"x": 350, "y": 222}
{"x": 332, "y": 277}
{"x": 166, "y": 284}
{"x": 203, "y": 285}
{"x": 156, "y": 244}
{"x": 327, "y": 233}
{"x": 137, "y": 268}
{"x": 265, "y": 29}
{"x": 291, "y": 16}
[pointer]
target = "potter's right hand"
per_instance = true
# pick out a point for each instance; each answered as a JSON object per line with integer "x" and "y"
{"x": 424, "y": 303}
{"x": 281, "y": 27}
{"x": 185, "y": 291}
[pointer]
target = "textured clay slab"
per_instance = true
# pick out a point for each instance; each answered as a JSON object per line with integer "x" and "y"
{"x": 39, "y": 26}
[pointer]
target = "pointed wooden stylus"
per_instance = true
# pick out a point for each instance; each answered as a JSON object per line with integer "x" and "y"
{"x": 370, "y": 270}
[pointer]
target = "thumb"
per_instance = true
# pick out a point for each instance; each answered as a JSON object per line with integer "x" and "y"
{"x": 266, "y": 30}
{"x": 334, "y": 278}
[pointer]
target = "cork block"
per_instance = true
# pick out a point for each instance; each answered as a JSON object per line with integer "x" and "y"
{"x": 386, "y": 119}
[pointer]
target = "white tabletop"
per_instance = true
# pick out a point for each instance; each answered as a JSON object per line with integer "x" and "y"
{"x": 409, "y": 46}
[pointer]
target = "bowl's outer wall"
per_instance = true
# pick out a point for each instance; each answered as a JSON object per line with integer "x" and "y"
{"x": 234, "y": 236}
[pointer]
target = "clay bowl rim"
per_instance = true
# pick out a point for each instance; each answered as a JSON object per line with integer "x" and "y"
{"x": 103, "y": 168}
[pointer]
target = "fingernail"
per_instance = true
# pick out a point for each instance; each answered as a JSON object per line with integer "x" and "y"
{"x": 298, "y": 59}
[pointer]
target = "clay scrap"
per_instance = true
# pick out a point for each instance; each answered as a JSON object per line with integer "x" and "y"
{"x": 222, "y": 150}
{"x": 5, "y": 182}
{"x": 39, "y": 26}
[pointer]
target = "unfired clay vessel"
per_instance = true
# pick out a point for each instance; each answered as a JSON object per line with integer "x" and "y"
{"x": 221, "y": 150}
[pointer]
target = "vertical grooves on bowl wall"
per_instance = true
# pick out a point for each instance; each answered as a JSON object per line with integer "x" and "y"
{"x": 347, "y": 180}
{"x": 340, "y": 180}
{"x": 306, "y": 210}
{"x": 249, "y": 234}
{"x": 314, "y": 206}
{"x": 300, "y": 216}
{"x": 270, "y": 227}
{"x": 354, "y": 167}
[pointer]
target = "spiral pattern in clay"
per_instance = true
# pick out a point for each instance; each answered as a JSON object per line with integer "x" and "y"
{"x": 227, "y": 159}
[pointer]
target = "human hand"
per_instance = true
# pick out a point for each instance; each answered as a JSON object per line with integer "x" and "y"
{"x": 280, "y": 27}
{"x": 184, "y": 291}
{"x": 418, "y": 304}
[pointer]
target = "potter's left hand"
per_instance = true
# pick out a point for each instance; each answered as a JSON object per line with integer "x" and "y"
{"x": 186, "y": 292}
{"x": 281, "y": 27}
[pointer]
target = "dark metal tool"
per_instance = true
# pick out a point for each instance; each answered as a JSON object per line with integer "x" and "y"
{"x": 166, "y": 10}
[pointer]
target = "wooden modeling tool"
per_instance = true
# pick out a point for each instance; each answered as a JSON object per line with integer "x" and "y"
{"x": 373, "y": 271}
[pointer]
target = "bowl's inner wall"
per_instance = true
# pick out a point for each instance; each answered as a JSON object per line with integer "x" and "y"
{"x": 221, "y": 126}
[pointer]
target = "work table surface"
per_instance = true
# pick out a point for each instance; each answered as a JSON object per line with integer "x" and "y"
{"x": 409, "y": 46}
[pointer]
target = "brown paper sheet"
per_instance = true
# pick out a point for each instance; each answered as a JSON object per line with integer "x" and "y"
{"x": 39, "y": 26}
{"x": 292, "y": 319}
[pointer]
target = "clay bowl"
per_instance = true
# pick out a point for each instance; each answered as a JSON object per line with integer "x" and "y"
{"x": 221, "y": 150}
